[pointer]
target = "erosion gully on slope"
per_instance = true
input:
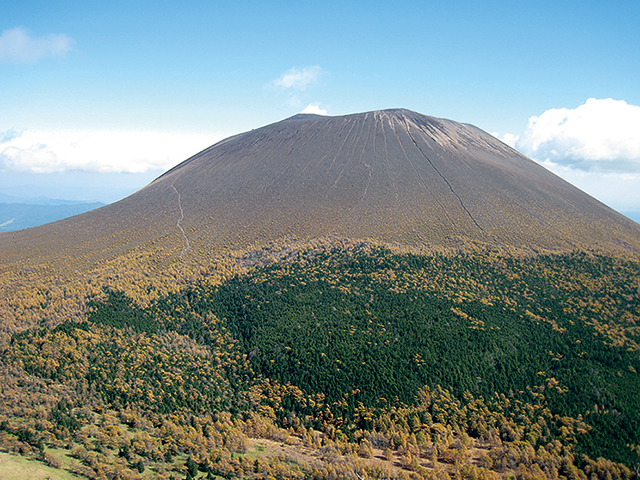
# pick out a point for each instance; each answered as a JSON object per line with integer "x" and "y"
{"x": 186, "y": 239}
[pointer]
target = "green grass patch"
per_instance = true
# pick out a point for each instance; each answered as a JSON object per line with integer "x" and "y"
{"x": 13, "y": 467}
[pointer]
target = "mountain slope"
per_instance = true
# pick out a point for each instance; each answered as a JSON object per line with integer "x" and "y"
{"x": 393, "y": 175}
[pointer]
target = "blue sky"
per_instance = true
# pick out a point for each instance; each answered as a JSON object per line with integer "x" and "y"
{"x": 98, "y": 98}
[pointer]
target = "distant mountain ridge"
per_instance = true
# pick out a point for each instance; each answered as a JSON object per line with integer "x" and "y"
{"x": 392, "y": 176}
{"x": 18, "y": 216}
{"x": 40, "y": 200}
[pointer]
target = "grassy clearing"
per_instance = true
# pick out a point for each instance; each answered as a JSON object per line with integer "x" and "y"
{"x": 13, "y": 467}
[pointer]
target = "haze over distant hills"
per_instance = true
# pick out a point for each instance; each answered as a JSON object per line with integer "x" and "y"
{"x": 39, "y": 200}
{"x": 17, "y": 213}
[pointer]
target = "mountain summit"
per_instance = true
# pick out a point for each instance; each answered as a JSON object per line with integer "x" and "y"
{"x": 393, "y": 176}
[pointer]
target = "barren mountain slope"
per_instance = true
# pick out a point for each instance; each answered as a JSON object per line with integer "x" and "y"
{"x": 393, "y": 175}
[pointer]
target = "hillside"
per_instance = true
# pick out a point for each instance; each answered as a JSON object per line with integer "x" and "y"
{"x": 353, "y": 358}
{"x": 381, "y": 295}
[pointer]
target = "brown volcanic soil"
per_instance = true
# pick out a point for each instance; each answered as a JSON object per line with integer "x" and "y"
{"x": 394, "y": 176}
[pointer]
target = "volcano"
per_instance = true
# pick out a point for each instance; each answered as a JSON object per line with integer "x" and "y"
{"x": 331, "y": 283}
{"x": 392, "y": 176}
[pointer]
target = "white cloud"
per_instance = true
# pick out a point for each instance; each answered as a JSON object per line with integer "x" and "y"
{"x": 601, "y": 135}
{"x": 510, "y": 139}
{"x": 298, "y": 78}
{"x": 17, "y": 46}
{"x": 99, "y": 151}
{"x": 314, "y": 109}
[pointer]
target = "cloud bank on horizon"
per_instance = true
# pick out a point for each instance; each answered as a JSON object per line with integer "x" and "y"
{"x": 97, "y": 151}
{"x": 19, "y": 47}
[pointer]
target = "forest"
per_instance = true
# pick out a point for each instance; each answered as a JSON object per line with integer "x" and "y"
{"x": 363, "y": 359}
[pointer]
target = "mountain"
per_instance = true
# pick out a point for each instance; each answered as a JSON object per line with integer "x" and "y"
{"x": 382, "y": 295}
{"x": 392, "y": 176}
